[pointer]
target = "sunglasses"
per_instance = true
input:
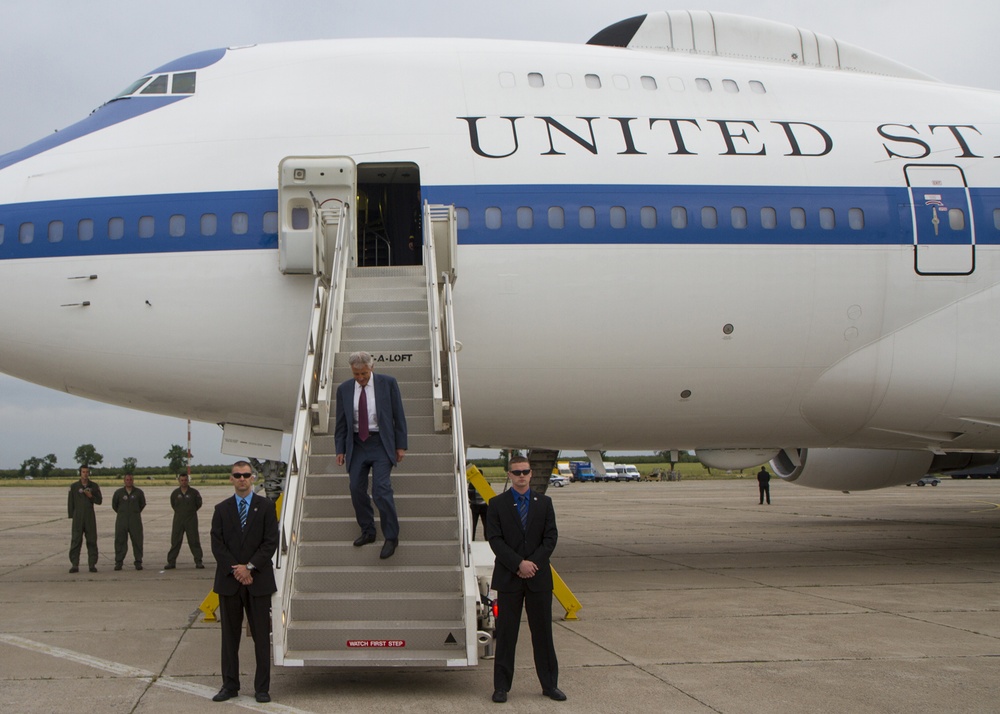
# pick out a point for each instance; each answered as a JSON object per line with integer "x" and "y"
{"x": 524, "y": 472}
{"x": 242, "y": 475}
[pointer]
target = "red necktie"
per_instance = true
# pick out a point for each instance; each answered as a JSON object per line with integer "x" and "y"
{"x": 363, "y": 415}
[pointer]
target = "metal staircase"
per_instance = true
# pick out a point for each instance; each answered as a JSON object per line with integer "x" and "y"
{"x": 339, "y": 605}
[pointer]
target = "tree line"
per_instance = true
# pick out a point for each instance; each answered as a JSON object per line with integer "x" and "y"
{"x": 87, "y": 455}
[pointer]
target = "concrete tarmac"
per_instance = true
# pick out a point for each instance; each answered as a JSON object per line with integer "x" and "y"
{"x": 695, "y": 599}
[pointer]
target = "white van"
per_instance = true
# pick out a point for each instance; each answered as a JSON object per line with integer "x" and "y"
{"x": 627, "y": 472}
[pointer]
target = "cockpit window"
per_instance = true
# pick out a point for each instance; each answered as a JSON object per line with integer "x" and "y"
{"x": 157, "y": 86}
{"x": 183, "y": 83}
{"x": 132, "y": 87}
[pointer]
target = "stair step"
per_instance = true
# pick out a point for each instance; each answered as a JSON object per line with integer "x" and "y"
{"x": 390, "y": 271}
{"x": 387, "y": 345}
{"x": 336, "y": 484}
{"x": 408, "y": 505}
{"x": 377, "y": 578}
{"x": 385, "y": 317}
{"x": 442, "y": 635}
{"x": 313, "y": 530}
{"x": 376, "y": 606}
{"x": 345, "y": 554}
{"x": 412, "y": 463}
{"x": 419, "y": 442}
{"x": 378, "y": 331}
{"x": 378, "y": 656}
{"x": 387, "y": 294}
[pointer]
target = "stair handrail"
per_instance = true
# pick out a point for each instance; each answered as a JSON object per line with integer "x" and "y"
{"x": 457, "y": 432}
{"x": 312, "y": 408}
{"x": 314, "y": 396}
{"x": 334, "y": 316}
{"x": 434, "y": 321}
{"x": 298, "y": 462}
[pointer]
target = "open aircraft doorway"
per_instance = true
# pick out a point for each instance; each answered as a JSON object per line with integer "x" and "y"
{"x": 389, "y": 214}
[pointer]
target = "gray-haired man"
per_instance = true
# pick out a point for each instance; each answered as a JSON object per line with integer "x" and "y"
{"x": 370, "y": 437}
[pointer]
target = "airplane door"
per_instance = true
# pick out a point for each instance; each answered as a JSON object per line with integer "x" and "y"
{"x": 944, "y": 234}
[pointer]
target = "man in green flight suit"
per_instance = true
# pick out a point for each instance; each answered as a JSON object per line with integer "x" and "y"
{"x": 83, "y": 496}
{"x": 128, "y": 502}
{"x": 185, "y": 501}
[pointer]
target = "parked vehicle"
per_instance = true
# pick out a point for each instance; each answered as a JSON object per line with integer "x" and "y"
{"x": 557, "y": 480}
{"x": 628, "y": 472}
{"x": 610, "y": 471}
{"x": 931, "y": 480}
{"x": 582, "y": 471}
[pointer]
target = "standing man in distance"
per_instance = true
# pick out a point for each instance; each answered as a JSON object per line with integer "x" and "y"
{"x": 128, "y": 502}
{"x": 521, "y": 529}
{"x": 83, "y": 496}
{"x": 764, "y": 485}
{"x": 370, "y": 437}
{"x": 244, "y": 537}
{"x": 185, "y": 501}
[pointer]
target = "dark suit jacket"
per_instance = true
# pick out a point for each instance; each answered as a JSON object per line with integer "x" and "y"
{"x": 231, "y": 545}
{"x": 388, "y": 406}
{"x": 511, "y": 543}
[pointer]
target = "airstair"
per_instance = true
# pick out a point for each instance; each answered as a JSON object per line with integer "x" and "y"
{"x": 340, "y": 605}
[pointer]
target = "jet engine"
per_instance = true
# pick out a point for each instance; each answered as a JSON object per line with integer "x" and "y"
{"x": 851, "y": 469}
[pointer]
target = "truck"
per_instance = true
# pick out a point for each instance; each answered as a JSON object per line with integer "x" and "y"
{"x": 581, "y": 470}
{"x": 562, "y": 469}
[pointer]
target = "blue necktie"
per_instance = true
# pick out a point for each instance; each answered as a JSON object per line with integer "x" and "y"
{"x": 522, "y": 509}
{"x": 243, "y": 513}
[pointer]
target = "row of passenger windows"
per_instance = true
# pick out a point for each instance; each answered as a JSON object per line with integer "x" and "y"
{"x": 710, "y": 217}
{"x": 680, "y": 217}
{"x": 563, "y": 80}
{"x": 177, "y": 227}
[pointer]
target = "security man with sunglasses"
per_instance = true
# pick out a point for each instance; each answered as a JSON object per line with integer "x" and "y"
{"x": 521, "y": 529}
{"x": 244, "y": 537}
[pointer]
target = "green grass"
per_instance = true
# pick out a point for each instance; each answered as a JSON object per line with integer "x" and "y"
{"x": 493, "y": 474}
{"x": 106, "y": 481}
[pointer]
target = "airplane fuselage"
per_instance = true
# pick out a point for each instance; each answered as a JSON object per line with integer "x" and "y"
{"x": 699, "y": 253}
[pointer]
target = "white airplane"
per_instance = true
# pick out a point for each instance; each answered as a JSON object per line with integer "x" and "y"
{"x": 696, "y": 231}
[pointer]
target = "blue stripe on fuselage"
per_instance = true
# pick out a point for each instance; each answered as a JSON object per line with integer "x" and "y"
{"x": 886, "y": 218}
{"x": 117, "y": 110}
{"x": 114, "y": 112}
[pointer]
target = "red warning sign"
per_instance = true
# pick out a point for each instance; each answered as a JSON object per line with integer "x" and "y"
{"x": 376, "y": 643}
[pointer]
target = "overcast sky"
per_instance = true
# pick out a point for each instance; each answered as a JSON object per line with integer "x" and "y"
{"x": 59, "y": 59}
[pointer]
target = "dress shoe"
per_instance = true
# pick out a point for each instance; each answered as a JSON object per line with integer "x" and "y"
{"x": 169, "y": 566}
{"x": 74, "y": 569}
{"x": 225, "y": 694}
{"x": 499, "y": 696}
{"x": 555, "y": 694}
{"x": 200, "y": 566}
{"x": 118, "y": 566}
{"x": 364, "y": 539}
{"x": 92, "y": 568}
{"x": 138, "y": 566}
{"x": 262, "y": 697}
{"x": 388, "y": 548}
